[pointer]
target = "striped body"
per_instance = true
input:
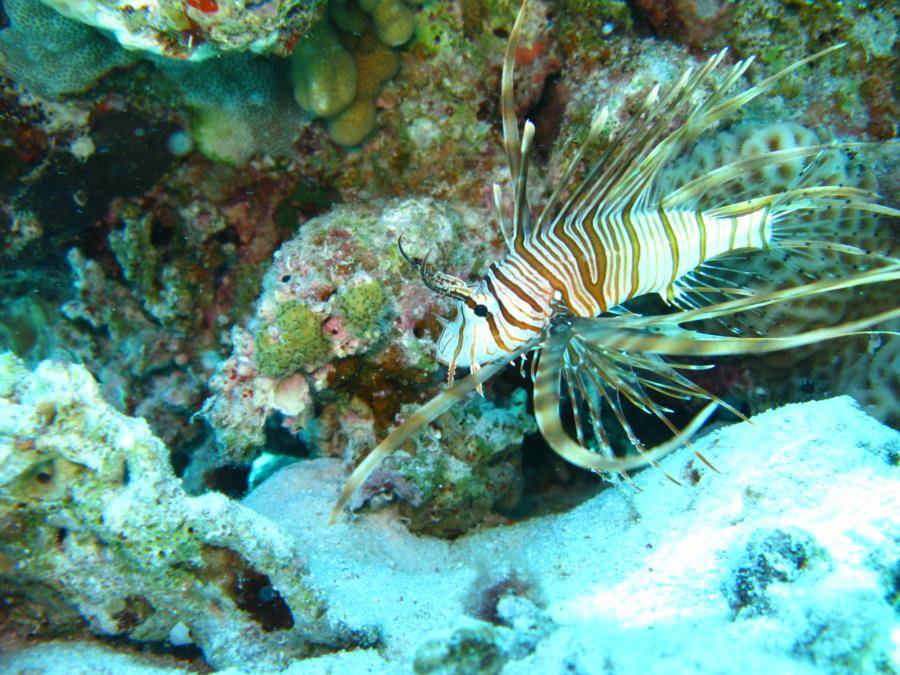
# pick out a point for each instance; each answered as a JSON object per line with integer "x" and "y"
{"x": 589, "y": 266}
{"x": 608, "y": 236}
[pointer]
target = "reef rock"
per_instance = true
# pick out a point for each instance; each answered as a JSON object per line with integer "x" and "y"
{"x": 342, "y": 339}
{"x": 198, "y": 29}
{"x": 787, "y": 556}
{"x": 94, "y": 524}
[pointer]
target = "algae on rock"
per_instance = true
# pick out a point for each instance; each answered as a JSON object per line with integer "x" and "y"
{"x": 94, "y": 518}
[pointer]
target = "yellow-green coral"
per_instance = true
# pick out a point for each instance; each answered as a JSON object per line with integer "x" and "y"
{"x": 340, "y": 67}
{"x": 362, "y": 307}
{"x": 394, "y": 22}
{"x": 296, "y": 343}
{"x": 323, "y": 72}
{"x": 375, "y": 63}
{"x": 353, "y": 124}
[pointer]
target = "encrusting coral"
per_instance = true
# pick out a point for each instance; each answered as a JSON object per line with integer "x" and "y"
{"x": 343, "y": 330}
{"x": 94, "y": 519}
{"x": 52, "y": 55}
{"x": 198, "y": 29}
{"x": 241, "y": 106}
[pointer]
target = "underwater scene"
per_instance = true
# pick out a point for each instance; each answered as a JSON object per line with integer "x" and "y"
{"x": 449, "y": 337}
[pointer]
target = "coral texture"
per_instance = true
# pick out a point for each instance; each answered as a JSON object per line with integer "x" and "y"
{"x": 52, "y": 55}
{"x": 339, "y": 68}
{"x": 198, "y": 29}
{"x": 344, "y": 331}
{"x": 241, "y": 106}
{"x": 93, "y": 517}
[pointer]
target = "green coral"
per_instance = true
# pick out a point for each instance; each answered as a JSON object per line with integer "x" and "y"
{"x": 299, "y": 343}
{"x": 362, "y": 307}
{"x": 240, "y": 105}
{"x": 323, "y": 73}
{"x": 340, "y": 67}
{"x": 52, "y": 55}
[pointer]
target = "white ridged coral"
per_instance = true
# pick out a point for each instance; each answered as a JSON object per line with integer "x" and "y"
{"x": 95, "y": 519}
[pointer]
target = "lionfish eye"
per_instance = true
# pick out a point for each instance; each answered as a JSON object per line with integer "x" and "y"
{"x": 480, "y": 310}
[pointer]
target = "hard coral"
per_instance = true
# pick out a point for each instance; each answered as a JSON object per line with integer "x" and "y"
{"x": 344, "y": 270}
{"x": 199, "y": 29}
{"x": 339, "y": 325}
{"x": 691, "y": 22}
{"x": 340, "y": 67}
{"x": 324, "y": 73}
{"x": 242, "y": 106}
{"x": 362, "y": 307}
{"x": 52, "y": 55}
{"x": 95, "y": 519}
{"x": 454, "y": 478}
{"x": 293, "y": 342}
{"x": 394, "y": 22}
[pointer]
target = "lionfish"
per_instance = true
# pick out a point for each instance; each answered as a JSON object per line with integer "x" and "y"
{"x": 611, "y": 236}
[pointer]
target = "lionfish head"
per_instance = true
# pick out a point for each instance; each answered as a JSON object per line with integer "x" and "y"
{"x": 469, "y": 340}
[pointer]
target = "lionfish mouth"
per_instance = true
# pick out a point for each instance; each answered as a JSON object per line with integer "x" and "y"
{"x": 442, "y": 284}
{"x": 603, "y": 358}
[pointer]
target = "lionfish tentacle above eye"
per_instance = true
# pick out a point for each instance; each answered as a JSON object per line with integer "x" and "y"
{"x": 616, "y": 233}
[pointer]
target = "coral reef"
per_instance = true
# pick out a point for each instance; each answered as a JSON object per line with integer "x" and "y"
{"x": 142, "y": 210}
{"x": 339, "y": 68}
{"x": 52, "y": 55}
{"x": 316, "y": 316}
{"x": 857, "y": 98}
{"x": 93, "y": 515}
{"x": 338, "y": 330}
{"x": 436, "y": 132}
{"x": 789, "y": 559}
{"x": 452, "y": 480}
{"x": 199, "y": 29}
{"x": 240, "y": 106}
{"x": 691, "y": 22}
